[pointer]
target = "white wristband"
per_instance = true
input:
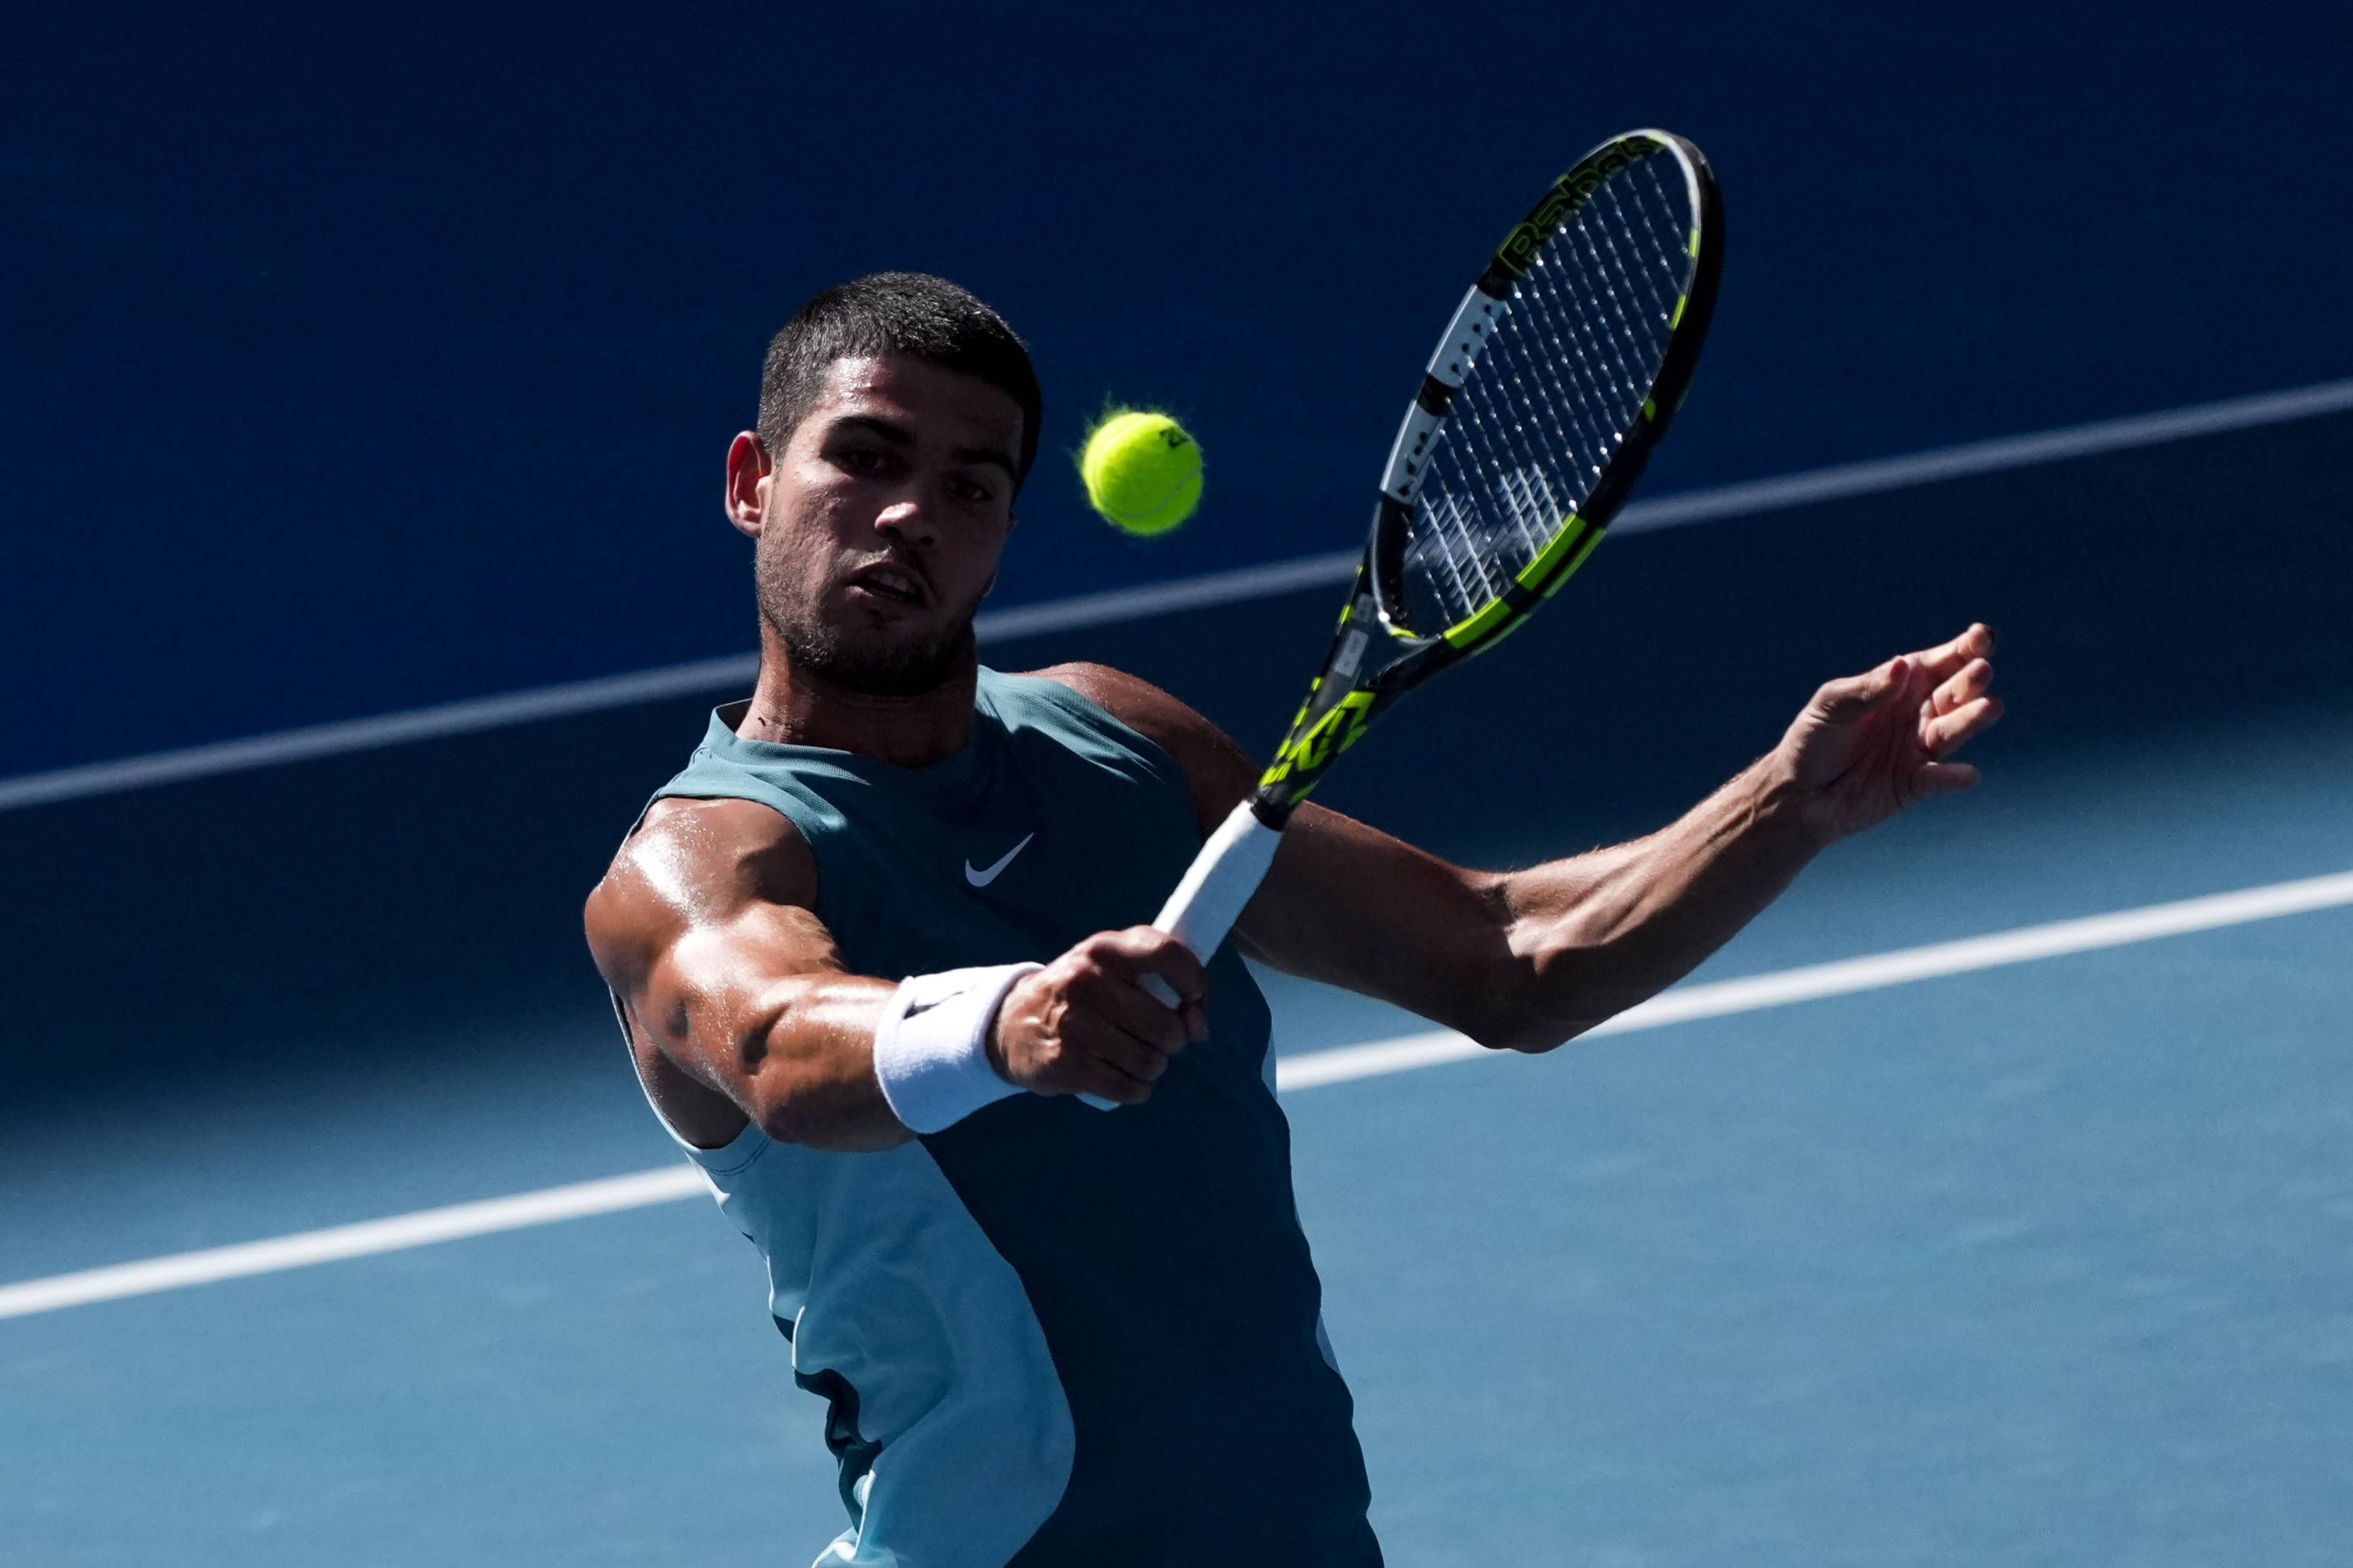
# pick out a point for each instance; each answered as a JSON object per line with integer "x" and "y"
{"x": 931, "y": 1049}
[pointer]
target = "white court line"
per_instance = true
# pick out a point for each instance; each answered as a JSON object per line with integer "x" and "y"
{"x": 1845, "y": 479}
{"x": 734, "y": 671}
{"x": 668, "y": 1182}
{"x": 610, "y": 1195}
{"x": 1755, "y": 992}
{"x": 383, "y": 730}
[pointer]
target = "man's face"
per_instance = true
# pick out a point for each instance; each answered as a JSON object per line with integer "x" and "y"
{"x": 880, "y": 524}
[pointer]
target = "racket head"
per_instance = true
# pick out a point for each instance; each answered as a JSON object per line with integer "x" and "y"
{"x": 1557, "y": 378}
{"x": 1555, "y": 382}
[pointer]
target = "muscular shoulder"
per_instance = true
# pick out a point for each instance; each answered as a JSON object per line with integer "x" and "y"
{"x": 690, "y": 863}
{"x": 1137, "y": 704}
{"x": 1216, "y": 772}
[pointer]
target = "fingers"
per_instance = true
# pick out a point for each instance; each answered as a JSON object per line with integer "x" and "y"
{"x": 1099, "y": 1058}
{"x": 1942, "y": 661}
{"x": 1049, "y": 1040}
{"x": 1125, "y": 1005}
{"x": 1942, "y": 735}
{"x": 1961, "y": 706}
{"x": 1944, "y": 778}
{"x": 1145, "y": 950}
{"x": 1971, "y": 683}
{"x": 1092, "y": 1027}
{"x": 1958, "y": 671}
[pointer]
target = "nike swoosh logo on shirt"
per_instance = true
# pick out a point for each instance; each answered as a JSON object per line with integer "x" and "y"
{"x": 983, "y": 879}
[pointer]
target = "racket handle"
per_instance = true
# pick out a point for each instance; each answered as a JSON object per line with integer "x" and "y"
{"x": 1219, "y": 883}
{"x": 1211, "y": 896}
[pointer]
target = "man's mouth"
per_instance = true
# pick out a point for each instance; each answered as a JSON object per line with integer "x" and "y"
{"x": 889, "y": 582}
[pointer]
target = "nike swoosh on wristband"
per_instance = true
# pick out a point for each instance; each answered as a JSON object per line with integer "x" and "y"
{"x": 983, "y": 879}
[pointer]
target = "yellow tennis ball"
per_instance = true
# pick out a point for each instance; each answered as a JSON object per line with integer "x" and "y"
{"x": 1143, "y": 472}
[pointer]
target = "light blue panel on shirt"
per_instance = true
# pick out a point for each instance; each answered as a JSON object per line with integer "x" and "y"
{"x": 899, "y": 1307}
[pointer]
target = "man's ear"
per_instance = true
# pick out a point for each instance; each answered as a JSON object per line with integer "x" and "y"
{"x": 748, "y": 472}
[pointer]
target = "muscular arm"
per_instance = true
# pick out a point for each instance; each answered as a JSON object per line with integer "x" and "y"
{"x": 740, "y": 1008}
{"x": 1527, "y": 960}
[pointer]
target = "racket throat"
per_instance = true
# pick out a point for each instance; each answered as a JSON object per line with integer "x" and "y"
{"x": 1339, "y": 705}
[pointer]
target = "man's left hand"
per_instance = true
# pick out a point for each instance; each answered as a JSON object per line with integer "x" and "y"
{"x": 1870, "y": 744}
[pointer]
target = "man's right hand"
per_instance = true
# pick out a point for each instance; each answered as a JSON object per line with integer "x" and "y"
{"x": 1085, "y": 1024}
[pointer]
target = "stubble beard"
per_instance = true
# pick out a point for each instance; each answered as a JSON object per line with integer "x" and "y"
{"x": 908, "y": 666}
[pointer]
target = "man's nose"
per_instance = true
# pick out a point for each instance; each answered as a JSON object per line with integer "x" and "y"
{"x": 909, "y": 518}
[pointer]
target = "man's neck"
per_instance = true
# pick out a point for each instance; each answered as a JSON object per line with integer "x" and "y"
{"x": 801, "y": 709}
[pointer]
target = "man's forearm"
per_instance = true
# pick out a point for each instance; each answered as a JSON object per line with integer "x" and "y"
{"x": 1591, "y": 936}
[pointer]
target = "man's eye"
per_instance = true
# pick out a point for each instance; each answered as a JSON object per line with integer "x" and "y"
{"x": 862, "y": 460}
{"x": 975, "y": 492}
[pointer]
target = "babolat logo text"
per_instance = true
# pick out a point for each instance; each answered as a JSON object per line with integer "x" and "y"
{"x": 1518, "y": 252}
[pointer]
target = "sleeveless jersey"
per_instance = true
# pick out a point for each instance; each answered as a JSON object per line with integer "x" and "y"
{"x": 1048, "y": 1336}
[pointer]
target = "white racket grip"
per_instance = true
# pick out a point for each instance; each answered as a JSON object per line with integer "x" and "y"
{"x": 1219, "y": 883}
{"x": 1211, "y": 896}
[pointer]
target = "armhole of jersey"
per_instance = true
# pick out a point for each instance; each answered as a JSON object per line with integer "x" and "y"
{"x": 729, "y": 1157}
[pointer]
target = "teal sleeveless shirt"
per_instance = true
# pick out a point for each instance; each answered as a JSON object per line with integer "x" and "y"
{"x": 1049, "y": 1335}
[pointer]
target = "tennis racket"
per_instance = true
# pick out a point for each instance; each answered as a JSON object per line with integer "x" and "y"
{"x": 1555, "y": 382}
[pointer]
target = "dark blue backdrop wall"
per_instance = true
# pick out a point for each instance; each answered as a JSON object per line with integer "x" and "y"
{"x": 361, "y": 358}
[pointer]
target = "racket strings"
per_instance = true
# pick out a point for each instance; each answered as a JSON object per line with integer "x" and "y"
{"x": 1562, "y": 381}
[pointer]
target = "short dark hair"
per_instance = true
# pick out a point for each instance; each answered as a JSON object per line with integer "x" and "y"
{"x": 911, "y": 314}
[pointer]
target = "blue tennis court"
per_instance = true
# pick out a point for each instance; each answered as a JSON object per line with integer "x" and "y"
{"x": 2040, "y": 1257}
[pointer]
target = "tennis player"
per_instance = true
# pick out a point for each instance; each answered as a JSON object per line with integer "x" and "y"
{"x": 873, "y": 941}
